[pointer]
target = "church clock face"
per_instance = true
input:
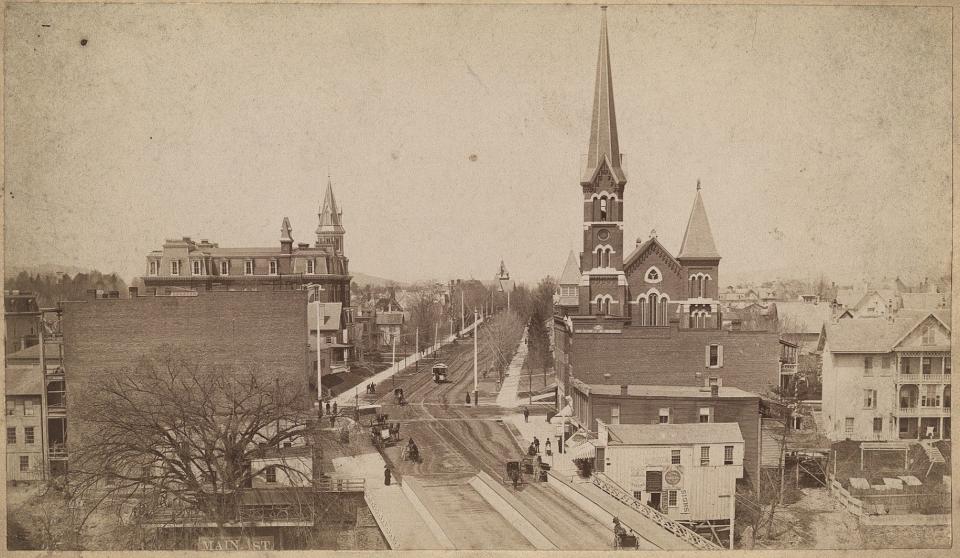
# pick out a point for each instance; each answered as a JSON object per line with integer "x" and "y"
{"x": 603, "y": 234}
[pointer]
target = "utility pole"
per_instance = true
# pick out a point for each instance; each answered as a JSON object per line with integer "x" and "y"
{"x": 461, "y": 309}
{"x": 436, "y": 331}
{"x": 476, "y": 389}
{"x": 319, "y": 367}
{"x": 393, "y": 358}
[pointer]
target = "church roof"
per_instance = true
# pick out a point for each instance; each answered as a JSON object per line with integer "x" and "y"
{"x": 697, "y": 239}
{"x": 571, "y": 271}
{"x": 330, "y": 213}
{"x": 604, "y": 145}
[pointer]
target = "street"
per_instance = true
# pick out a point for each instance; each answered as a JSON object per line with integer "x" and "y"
{"x": 456, "y": 441}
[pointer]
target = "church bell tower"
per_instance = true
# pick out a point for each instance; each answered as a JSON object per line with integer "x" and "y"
{"x": 603, "y": 285}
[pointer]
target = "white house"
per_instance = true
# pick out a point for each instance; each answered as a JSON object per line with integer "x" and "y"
{"x": 687, "y": 471}
{"x": 887, "y": 378}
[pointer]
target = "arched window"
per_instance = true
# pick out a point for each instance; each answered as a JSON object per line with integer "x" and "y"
{"x": 703, "y": 286}
{"x": 663, "y": 318}
{"x": 642, "y": 308}
{"x": 653, "y": 310}
{"x": 603, "y": 208}
{"x": 693, "y": 287}
{"x": 598, "y": 258}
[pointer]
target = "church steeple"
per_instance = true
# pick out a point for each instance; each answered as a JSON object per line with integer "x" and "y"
{"x": 698, "y": 239}
{"x": 330, "y": 230}
{"x": 604, "y": 145}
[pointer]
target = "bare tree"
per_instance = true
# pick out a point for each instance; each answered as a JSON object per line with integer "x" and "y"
{"x": 500, "y": 336}
{"x": 184, "y": 431}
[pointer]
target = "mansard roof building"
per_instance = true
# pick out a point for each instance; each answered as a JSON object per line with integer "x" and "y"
{"x": 203, "y": 265}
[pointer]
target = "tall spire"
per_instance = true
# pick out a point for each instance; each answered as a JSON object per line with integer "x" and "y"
{"x": 604, "y": 144}
{"x": 697, "y": 239}
{"x": 329, "y": 213}
{"x": 571, "y": 271}
{"x": 286, "y": 231}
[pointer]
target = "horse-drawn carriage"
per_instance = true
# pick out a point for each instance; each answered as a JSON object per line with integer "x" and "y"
{"x": 383, "y": 433}
{"x": 439, "y": 373}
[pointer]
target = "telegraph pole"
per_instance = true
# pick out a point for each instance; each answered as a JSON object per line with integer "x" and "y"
{"x": 461, "y": 309}
{"x": 319, "y": 368}
{"x": 476, "y": 389}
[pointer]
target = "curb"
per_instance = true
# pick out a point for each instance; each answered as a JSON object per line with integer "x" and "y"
{"x": 513, "y": 515}
{"x": 425, "y": 514}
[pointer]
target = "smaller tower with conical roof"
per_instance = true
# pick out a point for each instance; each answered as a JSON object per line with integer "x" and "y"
{"x": 286, "y": 237}
{"x": 700, "y": 263}
{"x": 330, "y": 231}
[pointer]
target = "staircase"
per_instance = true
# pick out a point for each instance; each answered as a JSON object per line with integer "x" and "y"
{"x": 933, "y": 455}
{"x": 603, "y": 482}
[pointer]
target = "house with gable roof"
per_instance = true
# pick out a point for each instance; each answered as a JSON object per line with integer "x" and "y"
{"x": 887, "y": 378}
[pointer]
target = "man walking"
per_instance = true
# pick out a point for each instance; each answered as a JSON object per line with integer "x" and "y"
{"x": 536, "y": 443}
{"x": 526, "y": 414}
{"x": 334, "y": 407}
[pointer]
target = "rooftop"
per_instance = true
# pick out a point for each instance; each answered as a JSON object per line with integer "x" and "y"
{"x": 877, "y": 335}
{"x": 670, "y": 391}
{"x": 23, "y": 380}
{"x": 674, "y": 434}
{"x": 803, "y": 317}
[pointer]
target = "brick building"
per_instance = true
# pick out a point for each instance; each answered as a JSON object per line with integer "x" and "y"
{"x": 202, "y": 265}
{"x": 645, "y": 404}
{"x": 226, "y": 328}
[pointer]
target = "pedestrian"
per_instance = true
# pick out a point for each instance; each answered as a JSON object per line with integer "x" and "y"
{"x": 536, "y": 443}
{"x": 526, "y": 414}
{"x": 468, "y": 398}
{"x": 334, "y": 407}
{"x": 328, "y": 407}
{"x": 333, "y": 420}
{"x": 547, "y": 447}
{"x": 386, "y": 475}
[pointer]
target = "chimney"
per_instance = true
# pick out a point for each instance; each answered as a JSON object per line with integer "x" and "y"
{"x": 715, "y": 391}
{"x": 623, "y": 390}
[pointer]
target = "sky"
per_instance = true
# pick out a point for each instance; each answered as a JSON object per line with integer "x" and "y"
{"x": 453, "y": 135}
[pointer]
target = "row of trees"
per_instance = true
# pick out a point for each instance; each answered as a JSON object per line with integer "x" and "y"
{"x": 51, "y": 288}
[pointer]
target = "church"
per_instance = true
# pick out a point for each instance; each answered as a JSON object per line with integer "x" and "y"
{"x": 638, "y": 337}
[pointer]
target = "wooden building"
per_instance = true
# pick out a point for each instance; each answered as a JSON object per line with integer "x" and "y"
{"x": 687, "y": 471}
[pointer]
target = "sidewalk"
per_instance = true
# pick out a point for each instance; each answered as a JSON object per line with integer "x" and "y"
{"x": 396, "y": 515}
{"x": 507, "y": 398}
{"x": 543, "y": 430}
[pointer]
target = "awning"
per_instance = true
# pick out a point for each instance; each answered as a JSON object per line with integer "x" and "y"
{"x": 585, "y": 450}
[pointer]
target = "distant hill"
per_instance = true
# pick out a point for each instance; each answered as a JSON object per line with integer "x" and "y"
{"x": 44, "y": 269}
{"x": 362, "y": 279}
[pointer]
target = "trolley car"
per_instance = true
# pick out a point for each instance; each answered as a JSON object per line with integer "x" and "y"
{"x": 439, "y": 373}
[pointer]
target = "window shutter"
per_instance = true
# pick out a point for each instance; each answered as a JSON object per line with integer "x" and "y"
{"x": 720, "y": 356}
{"x": 706, "y": 356}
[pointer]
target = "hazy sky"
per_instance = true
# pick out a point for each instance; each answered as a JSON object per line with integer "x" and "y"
{"x": 454, "y": 135}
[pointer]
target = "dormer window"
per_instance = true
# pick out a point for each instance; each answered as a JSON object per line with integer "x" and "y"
{"x": 197, "y": 267}
{"x": 225, "y": 267}
{"x": 311, "y": 266}
{"x": 154, "y": 267}
{"x": 175, "y": 267}
{"x": 248, "y": 267}
{"x": 273, "y": 267}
